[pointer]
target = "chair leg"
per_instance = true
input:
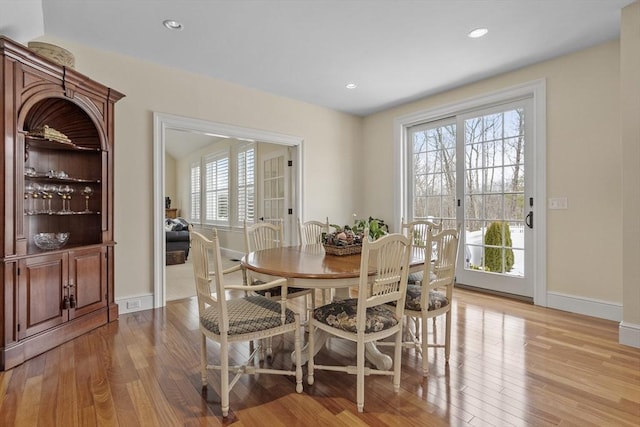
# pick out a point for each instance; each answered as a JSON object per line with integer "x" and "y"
{"x": 310, "y": 350}
{"x": 266, "y": 342}
{"x": 425, "y": 348}
{"x": 397, "y": 361}
{"x": 203, "y": 359}
{"x": 224, "y": 378}
{"x": 297, "y": 347}
{"x": 360, "y": 376}
{"x": 447, "y": 337}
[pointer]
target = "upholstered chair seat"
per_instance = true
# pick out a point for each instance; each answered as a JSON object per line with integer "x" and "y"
{"x": 248, "y": 315}
{"x": 436, "y": 299}
{"x": 342, "y": 315}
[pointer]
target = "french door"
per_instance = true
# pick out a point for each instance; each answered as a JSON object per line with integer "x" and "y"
{"x": 476, "y": 169}
{"x": 275, "y": 197}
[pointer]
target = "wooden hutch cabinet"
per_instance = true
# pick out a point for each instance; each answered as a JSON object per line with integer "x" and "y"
{"x": 56, "y": 177}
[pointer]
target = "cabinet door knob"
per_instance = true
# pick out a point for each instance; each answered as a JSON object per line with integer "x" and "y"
{"x": 65, "y": 303}
{"x": 72, "y": 301}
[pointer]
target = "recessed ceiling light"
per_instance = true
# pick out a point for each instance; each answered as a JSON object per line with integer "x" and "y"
{"x": 172, "y": 25}
{"x": 477, "y": 33}
{"x": 351, "y": 86}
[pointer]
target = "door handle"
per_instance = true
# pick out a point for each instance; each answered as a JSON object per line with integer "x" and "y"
{"x": 529, "y": 220}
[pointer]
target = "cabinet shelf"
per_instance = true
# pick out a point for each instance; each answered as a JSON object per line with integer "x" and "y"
{"x": 41, "y": 177}
{"x": 40, "y": 142}
{"x": 61, "y": 213}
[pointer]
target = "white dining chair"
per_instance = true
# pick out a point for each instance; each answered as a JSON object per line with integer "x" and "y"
{"x": 368, "y": 318}
{"x": 433, "y": 297}
{"x": 267, "y": 235}
{"x": 310, "y": 233}
{"x": 418, "y": 231}
{"x": 226, "y": 319}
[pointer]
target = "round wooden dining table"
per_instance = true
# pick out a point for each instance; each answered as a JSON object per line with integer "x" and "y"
{"x": 308, "y": 266}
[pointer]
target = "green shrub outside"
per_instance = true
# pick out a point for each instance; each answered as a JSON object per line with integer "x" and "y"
{"x": 493, "y": 255}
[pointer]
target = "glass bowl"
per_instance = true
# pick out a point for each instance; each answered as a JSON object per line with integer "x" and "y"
{"x": 50, "y": 241}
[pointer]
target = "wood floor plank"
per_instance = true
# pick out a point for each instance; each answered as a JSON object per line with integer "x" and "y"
{"x": 142, "y": 403}
{"x": 15, "y": 384}
{"x": 4, "y": 384}
{"x": 51, "y": 405}
{"x": 27, "y": 413}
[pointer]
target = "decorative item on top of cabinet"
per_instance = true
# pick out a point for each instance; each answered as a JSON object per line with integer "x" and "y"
{"x": 56, "y": 246}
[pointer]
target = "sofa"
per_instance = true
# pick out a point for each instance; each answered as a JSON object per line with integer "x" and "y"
{"x": 177, "y": 235}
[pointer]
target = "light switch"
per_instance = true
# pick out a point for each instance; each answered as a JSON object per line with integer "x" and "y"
{"x": 557, "y": 203}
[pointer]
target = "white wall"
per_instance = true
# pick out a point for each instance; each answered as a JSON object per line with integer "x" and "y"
{"x": 630, "y": 114}
{"x": 584, "y": 252}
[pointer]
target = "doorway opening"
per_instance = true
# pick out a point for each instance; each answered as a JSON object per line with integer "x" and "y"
{"x": 162, "y": 125}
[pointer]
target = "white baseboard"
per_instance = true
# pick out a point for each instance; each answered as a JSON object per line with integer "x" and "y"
{"x": 589, "y": 307}
{"x": 136, "y": 303}
{"x": 629, "y": 334}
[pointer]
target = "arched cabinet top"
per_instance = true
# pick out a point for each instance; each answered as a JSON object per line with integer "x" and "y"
{"x": 82, "y": 127}
{"x": 59, "y": 97}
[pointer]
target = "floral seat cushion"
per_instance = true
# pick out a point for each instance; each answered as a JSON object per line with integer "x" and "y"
{"x": 342, "y": 315}
{"x": 414, "y": 293}
{"x": 246, "y": 315}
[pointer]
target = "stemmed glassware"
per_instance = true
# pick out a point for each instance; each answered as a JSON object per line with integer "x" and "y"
{"x": 64, "y": 191}
{"x": 46, "y": 192}
{"x": 87, "y": 192}
{"x": 29, "y": 191}
{"x": 35, "y": 194}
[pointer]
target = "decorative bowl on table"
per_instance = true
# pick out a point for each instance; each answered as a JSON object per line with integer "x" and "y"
{"x": 50, "y": 241}
{"x": 342, "y": 242}
{"x": 347, "y": 240}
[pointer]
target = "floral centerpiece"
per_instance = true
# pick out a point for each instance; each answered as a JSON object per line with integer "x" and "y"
{"x": 347, "y": 240}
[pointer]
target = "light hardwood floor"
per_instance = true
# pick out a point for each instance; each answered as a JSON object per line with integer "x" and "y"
{"x": 511, "y": 364}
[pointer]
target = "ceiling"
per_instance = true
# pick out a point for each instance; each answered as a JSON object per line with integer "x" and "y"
{"x": 393, "y": 50}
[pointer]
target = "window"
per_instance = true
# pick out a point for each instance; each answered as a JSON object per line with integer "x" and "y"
{"x": 432, "y": 171}
{"x": 195, "y": 192}
{"x": 223, "y": 185}
{"x": 216, "y": 188}
{"x": 246, "y": 183}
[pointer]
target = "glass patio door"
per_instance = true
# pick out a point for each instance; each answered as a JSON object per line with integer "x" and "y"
{"x": 475, "y": 169}
{"x": 496, "y": 199}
